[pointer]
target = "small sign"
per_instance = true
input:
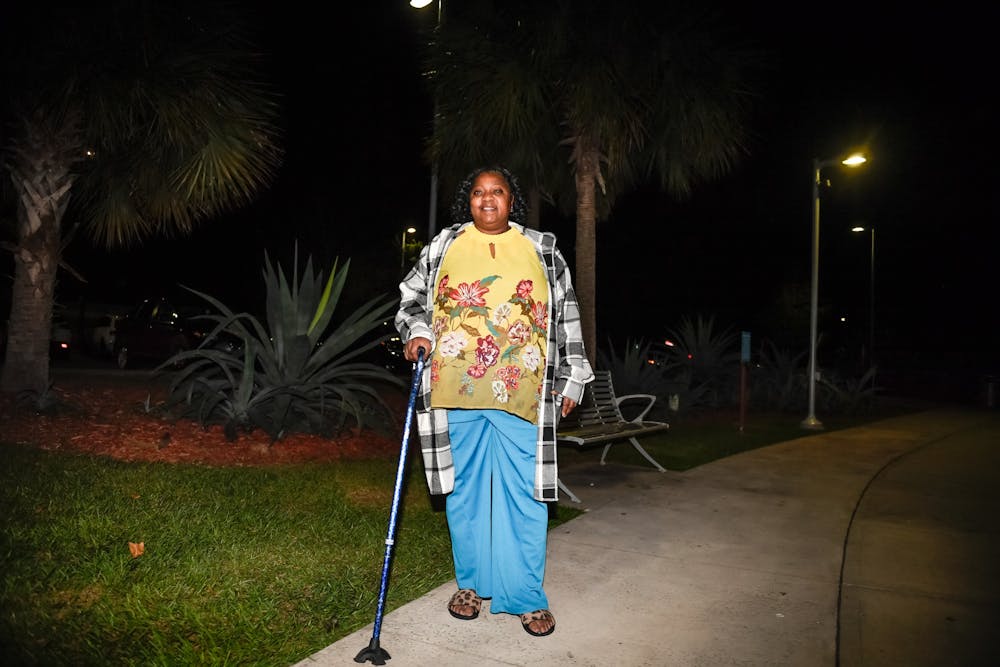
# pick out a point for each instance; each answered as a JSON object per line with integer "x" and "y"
{"x": 745, "y": 347}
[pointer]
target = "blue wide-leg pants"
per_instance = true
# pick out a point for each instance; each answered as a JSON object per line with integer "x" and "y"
{"x": 498, "y": 529}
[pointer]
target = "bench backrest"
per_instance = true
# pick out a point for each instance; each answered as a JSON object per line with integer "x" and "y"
{"x": 599, "y": 405}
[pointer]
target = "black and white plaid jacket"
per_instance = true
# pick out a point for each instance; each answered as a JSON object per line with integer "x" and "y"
{"x": 567, "y": 369}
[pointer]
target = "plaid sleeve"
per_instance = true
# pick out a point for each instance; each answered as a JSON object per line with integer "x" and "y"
{"x": 567, "y": 368}
{"x": 413, "y": 317}
{"x": 574, "y": 370}
{"x": 435, "y": 449}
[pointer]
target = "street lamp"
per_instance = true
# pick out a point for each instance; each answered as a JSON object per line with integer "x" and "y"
{"x": 871, "y": 296}
{"x": 811, "y": 422}
{"x": 432, "y": 212}
{"x": 402, "y": 247}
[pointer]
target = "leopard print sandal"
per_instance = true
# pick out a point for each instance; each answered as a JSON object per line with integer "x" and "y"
{"x": 463, "y": 599}
{"x": 543, "y": 615}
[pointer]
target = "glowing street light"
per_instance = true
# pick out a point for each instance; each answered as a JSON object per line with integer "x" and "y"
{"x": 854, "y": 160}
{"x": 432, "y": 213}
{"x": 402, "y": 246}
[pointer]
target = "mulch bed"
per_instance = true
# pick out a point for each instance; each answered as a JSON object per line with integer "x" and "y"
{"x": 107, "y": 416}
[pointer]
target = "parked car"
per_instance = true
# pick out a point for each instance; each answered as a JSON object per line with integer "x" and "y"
{"x": 61, "y": 343}
{"x": 158, "y": 329}
{"x": 389, "y": 353}
{"x": 101, "y": 333}
{"x": 60, "y": 339}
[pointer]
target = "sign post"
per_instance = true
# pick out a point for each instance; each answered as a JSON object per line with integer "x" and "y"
{"x": 744, "y": 361}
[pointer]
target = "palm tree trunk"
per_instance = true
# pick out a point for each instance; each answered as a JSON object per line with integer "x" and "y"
{"x": 534, "y": 208}
{"x": 585, "y": 280}
{"x": 42, "y": 177}
{"x": 30, "y": 326}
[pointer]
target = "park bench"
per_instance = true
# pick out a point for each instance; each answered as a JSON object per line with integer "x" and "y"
{"x": 598, "y": 420}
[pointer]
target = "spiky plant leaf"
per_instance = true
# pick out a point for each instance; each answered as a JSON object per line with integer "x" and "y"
{"x": 292, "y": 374}
{"x": 708, "y": 360}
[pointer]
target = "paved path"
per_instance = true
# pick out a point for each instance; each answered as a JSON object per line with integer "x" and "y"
{"x": 740, "y": 562}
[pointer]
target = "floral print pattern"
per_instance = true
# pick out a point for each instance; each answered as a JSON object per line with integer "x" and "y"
{"x": 499, "y": 347}
{"x": 469, "y": 295}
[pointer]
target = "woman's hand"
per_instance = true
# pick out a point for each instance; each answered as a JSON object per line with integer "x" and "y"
{"x": 414, "y": 344}
{"x": 567, "y": 404}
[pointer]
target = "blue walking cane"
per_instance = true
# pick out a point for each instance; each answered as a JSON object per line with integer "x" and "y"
{"x": 374, "y": 652}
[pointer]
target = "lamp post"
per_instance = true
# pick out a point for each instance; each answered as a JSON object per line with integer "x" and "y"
{"x": 811, "y": 422}
{"x": 871, "y": 295}
{"x": 402, "y": 247}
{"x": 432, "y": 212}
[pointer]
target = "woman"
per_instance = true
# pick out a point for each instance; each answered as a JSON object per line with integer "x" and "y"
{"x": 492, "y": 304}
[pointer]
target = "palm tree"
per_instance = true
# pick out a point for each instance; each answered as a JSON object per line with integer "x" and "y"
{"x": 130, "y": 121}
{"x": 634, "y": 91}
{"x": 491, "y": 103}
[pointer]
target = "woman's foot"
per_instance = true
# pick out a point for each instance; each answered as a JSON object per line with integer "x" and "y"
{"x": 465, "y": 604}
{"x": 538, "y": 623}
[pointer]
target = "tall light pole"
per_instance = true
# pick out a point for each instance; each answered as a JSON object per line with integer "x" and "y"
{"x": 402, "y": 247}
{"x": 811, "y": 422}
{"x": 871, "y": 296}
{"x": 433, "y": 206}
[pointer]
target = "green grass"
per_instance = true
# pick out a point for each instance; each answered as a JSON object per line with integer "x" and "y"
{"x": 249, "y": 566}
{"x": 244, "y": 566}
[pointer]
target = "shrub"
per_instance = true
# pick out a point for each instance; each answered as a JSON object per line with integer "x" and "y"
{"x": 778, "y": 381}
{"x": 703, "y": 362}
{"x": 635, "y": 371}
{"x": 44, "y": 401}
{"x": 290, "y": 375}
{"x": 847, "y": 395}
{"x": 638, "y": 371}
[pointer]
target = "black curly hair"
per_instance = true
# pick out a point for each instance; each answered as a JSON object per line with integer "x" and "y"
{"x": 518, "y": 206}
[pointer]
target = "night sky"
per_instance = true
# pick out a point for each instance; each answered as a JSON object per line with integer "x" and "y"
{"x": 911, "y": 87}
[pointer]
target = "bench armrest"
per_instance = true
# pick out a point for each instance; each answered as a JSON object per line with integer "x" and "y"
{"x": 630, "y": 397}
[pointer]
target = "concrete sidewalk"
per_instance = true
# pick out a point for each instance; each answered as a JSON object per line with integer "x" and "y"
{"x": 740, "y": 562}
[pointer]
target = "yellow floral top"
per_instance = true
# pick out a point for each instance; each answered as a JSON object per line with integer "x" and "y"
{"x": 491, "y": 330}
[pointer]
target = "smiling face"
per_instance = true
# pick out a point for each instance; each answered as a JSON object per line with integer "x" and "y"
{"x": 489, "y": 202}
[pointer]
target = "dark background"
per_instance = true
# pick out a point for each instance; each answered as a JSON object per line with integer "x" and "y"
{"x": 911, "y": 86}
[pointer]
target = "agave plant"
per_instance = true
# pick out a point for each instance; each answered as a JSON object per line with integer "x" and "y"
{"x": 635, "y": 371}
{"x": 707, "y": 361}
{"x": 292, "y": 374}
{"x": 45, "y": 401}
{"x": 849, "y": 394}
{"x": 779, "y": 381}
